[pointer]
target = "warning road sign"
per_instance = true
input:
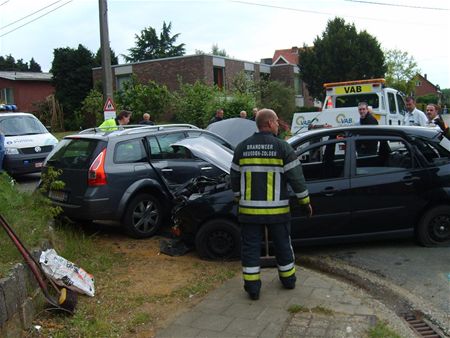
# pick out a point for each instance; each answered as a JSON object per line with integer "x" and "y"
{"x": 109, "y": 105}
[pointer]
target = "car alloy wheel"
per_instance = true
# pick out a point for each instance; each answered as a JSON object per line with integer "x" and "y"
{"x": 143, "y": 216}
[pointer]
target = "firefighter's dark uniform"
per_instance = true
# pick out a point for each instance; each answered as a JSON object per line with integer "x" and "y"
{"x": 261, "y": 168}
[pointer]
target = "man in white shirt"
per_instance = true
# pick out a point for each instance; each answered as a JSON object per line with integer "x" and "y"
{"x": 414, "y": 116}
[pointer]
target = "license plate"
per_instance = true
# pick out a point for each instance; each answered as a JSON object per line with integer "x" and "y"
{"x": 58, "y": 195}
{"x": 38, "y": 164}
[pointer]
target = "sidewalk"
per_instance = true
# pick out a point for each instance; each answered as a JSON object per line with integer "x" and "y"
{"x": 326, "y": 307}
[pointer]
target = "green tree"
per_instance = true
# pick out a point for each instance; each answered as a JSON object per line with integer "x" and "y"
{"x": 195, "y": 103}
{"x": 34, "y": 66}
{"x": 72, "y": 78}
{"x": 275, "y": 95}
{"x": 149, "y": 46}
{"x": 215, "y": 50}
{"x": 340, "y": 54}
{"x": 427, "y": 99}
{"x": 98, "y": 58}
{"x": 145, "y": 98}
{"x": 7, "y": 63}
{"x": 91, "y": 113}
{"x": 446, "y": 97}
{"x": 401, "y": 70}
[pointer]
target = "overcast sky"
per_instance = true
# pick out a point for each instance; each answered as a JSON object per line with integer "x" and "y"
{"x": 247, "y": 30}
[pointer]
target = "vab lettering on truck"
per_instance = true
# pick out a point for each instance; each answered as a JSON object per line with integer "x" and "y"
{"x": 301, "y": 121}
{"x": 344, "y": 121}
{"x": 340, "y": 107}
{"x": 353, "y": 89}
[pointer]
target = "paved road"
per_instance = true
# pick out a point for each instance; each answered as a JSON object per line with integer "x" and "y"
{"x": 422, "y": 272}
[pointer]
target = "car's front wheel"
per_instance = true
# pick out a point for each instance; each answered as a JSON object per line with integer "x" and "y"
{"x": 218, "y": 239}
{"x": 434, "y": 227}
{"x": 143, "y": 216}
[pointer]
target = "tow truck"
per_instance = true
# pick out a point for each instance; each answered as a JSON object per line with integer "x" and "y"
{"x": 341, "y": 105}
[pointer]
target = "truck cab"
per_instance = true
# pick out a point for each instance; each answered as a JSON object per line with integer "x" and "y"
{"x": 341, "y": 105}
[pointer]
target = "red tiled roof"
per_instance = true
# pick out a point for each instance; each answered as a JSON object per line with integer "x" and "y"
{"x": 290, "y": 55}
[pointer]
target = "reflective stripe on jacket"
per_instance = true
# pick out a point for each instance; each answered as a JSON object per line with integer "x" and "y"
{"x": 262, "y": 167}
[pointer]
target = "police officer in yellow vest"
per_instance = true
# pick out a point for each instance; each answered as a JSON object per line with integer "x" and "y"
{"x": 262, "y": 167}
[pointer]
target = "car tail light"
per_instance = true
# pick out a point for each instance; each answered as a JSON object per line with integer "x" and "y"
{"x": 96, "y": 173}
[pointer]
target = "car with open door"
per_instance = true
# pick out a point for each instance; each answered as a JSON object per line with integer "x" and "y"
{"x": 365, "y": 183}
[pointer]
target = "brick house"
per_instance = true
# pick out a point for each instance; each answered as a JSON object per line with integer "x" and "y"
{"x": 284, "y": 68}
{"x": 211, "y": 69}
{"x": 25, "y": 89}
{"x": 424, "y": 87}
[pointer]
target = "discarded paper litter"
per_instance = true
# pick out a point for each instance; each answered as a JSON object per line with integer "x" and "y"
{"x": 66, "y": 274}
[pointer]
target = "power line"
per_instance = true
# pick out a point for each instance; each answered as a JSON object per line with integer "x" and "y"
{"x": 35, "y": 18}
{"x": 4, "y": 2}
{"x": 396, "y": 5}
{"x": 329, "y": 13}
{"x": 39, "y": 10}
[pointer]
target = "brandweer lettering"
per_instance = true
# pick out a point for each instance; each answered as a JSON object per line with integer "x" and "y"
{"x": 259, "y": 150}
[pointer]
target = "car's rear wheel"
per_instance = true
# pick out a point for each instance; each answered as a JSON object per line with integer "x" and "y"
{"x": 143, "y": 216}
{"x": 218, "y": 239}
{"x": 434, "y": 227}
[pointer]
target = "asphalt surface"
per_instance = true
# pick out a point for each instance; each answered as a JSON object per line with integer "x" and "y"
{"x": 415, "y": 276}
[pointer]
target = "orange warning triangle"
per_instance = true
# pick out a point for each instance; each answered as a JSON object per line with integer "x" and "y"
{"x": 109, "y": 105}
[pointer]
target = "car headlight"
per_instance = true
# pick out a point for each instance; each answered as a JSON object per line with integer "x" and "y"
{"x": 11, "y": 151}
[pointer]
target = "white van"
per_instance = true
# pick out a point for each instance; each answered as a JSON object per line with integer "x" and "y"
{"x": 27, "y": 143}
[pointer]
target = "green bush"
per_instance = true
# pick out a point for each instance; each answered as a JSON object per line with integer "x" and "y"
{"x": 91, "y": 113}
{"x": 141, "y": 98}
{"x": 195, "y": 103}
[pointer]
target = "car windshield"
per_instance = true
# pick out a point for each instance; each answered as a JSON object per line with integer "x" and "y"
{"x": 21, "y": 125}
{"x": 345, "y": 101}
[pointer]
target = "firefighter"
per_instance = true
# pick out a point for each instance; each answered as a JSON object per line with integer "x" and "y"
{"x": 262, "y": 167}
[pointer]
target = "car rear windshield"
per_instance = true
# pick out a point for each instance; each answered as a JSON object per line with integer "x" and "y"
{"x": 73, "y": 153}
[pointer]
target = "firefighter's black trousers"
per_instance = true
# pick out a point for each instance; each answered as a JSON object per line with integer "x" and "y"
{"x": 252, "y": 235}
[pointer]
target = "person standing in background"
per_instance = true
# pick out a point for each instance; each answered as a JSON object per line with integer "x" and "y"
{"x": 414, "y": 116}
{"x": 243, "y": 114}
{"x": 146, "y": 120}
{"x": 120, "y": 120}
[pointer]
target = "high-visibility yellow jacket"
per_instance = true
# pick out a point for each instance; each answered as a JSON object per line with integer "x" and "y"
{"x": 109, "y": 125}
{"x": 262, "y": 167}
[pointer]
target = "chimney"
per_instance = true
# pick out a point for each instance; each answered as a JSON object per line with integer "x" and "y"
{"x": 425, "y": 76}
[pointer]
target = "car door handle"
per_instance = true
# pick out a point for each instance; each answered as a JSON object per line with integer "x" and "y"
{"x": 329, "y": 191}
{"x": 206, "y": 168}
{"x": 408, "y": 180}
{"x": 167, "y": 170}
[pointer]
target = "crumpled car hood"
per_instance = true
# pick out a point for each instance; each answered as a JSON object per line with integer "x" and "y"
{"x": 208, "y": 151}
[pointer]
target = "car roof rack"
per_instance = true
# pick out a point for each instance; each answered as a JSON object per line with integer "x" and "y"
{"x": 135, "y": 128}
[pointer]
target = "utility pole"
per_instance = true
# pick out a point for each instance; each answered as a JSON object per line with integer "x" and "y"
{"x": 106, "y": 52}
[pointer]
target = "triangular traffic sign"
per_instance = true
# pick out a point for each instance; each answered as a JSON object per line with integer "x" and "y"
{"x": 109, "y": 105}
